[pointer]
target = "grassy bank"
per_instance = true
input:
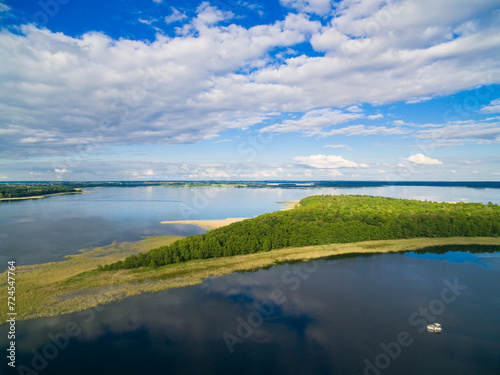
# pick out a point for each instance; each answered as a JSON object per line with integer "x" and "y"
{"x": 74, "y": 284}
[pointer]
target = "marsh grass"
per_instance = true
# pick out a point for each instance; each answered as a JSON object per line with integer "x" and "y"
{"x": 75, "y": 284}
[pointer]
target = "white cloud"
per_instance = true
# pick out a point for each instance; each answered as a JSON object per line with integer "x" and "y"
{"x": 61, "y": 170}
{"x": 61, "y": 93}
{"x": 175, "y": 16}
{"x": 147, "y": 22}
{"x": 493, "y": 107}
{"x": 327, "y": 162}
{"x": 338, "y": 147}
{"x": 320, "y": 7}
{"x": 313, "y": 121}
{"x": 485, "y": 131}
{"x": 157, "y": 1}
{"x": 362, "y": 130}
{"x": 209, "y": 15}
{"x": 421, "y": 159}
{"x": 4, "y": 8}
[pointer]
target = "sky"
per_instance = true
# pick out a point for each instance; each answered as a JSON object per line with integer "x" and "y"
{"x": 396, "y": 90}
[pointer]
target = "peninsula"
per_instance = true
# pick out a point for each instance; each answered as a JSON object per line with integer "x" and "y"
{"x": 321, "y": 226}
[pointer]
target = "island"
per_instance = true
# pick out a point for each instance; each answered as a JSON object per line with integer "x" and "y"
{"x": 34, "y": 190}
{"x": 318, "y": 227}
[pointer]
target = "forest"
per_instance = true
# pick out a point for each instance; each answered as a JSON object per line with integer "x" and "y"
{"x": 326, "y": 219}
{"x": 31, "y": 190}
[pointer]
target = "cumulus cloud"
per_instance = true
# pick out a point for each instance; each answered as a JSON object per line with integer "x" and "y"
{"x": 320, "y": 7}
{"x": 327, "y": 162}
{"x": 421, "y": 159}
{"x": 60, "y": 93}
{"x": 175, "y": 16}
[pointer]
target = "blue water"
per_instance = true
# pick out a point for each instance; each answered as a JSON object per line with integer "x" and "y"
{"x": 347, "y": 316}
{"x": 41, "y": 230}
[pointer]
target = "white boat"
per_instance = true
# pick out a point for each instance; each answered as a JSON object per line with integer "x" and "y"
{"x": 434, "y": 327}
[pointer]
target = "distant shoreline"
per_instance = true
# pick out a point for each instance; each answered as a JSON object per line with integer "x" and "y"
{"x": 44, "y": 196}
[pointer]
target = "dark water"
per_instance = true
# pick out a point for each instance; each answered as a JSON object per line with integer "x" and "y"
{"x": 42, "y": 230}
{"x": 348, "y": 316}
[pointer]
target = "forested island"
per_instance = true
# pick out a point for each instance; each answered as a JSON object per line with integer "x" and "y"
{"x": 320, "y": 220}
{"x": 17, "y": 191}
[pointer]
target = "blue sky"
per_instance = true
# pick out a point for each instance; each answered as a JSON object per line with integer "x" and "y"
{"x": 236, "y": 90}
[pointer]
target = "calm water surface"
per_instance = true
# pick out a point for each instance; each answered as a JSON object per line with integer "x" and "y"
{"x": 325, "y": 317}
{"x": 42, "y": 230}
{"x": 347, "y": 316}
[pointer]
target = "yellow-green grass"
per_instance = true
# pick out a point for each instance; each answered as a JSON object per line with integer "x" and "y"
{"x": 74, "y": 284}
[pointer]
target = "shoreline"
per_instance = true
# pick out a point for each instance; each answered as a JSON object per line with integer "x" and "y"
{"x": 210, "y": 224}
{"x": 207, "y": 224}
{"x": 289, "y": 205}
{"x": 44, "y": 196}
{"x": 64, "y": 287}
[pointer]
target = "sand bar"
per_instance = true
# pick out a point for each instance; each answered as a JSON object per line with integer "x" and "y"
{"x": 217, "y": 223}
{"x": 45, "y": 196}
{"x": 289, "y": 205}
{"x": 207, "y": 224}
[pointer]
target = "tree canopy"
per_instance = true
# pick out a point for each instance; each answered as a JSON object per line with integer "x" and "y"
{"x": 326, "y": 219}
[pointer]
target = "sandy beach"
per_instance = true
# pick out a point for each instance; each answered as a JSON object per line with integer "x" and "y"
{"x": 217, "y": 223}
{"x": 207, "y": 224}
{"x": 289, "y": 205}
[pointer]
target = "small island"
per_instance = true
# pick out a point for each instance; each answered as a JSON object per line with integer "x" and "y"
{"x": 318, "y": 227}
{"x": 34, "y": 190}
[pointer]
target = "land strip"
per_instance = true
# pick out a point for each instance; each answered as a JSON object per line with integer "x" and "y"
{"x": 207, "y": 224}
{"x": 44, "y": 196}
{"x": 217, "y": 223}
{"x": 74, "y": 284}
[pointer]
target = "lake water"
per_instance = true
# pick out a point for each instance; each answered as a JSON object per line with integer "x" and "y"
{"x": 349, "y": 316}
{"x": 42, "y": 230}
